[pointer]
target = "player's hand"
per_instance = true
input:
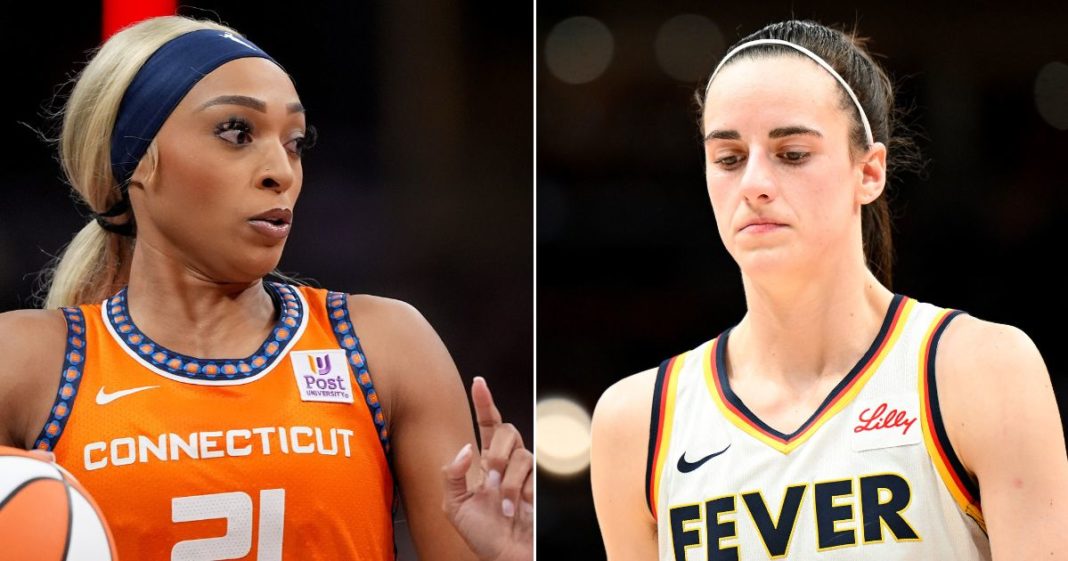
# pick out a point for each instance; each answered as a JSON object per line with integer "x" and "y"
{"x": 495, "y": 514}
{"x": 44, "y": 455}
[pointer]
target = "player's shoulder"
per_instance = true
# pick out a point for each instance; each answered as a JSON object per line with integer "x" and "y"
{"x": 968, "y": 343}
{"x": 983, "y": 347}
{"x": 378, "y": 315}
{"x": 404, "y": 352}
{"x": 620, "y": 439}
{"x": 621, "y": 398}
{"x": 636, "y": 392}
{"x": 979, "y": 362}
{"x": 31, "y": 355}
{"x": 26, "y": 335}
{"x": 395, "y": 328}
{"x": 386, "y": 313}
{"x": 992, "y": 381}
{"x": 622, "y": 412}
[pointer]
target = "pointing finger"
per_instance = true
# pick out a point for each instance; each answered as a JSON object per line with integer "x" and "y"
{"x": 486, "y": 413}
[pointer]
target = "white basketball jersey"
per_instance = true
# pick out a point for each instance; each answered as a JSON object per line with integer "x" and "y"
{"x": 871, "y": 475}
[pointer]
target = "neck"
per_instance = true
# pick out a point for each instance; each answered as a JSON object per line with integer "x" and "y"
{"x": 799, "y": 333}
{"x": 186, "y": 311}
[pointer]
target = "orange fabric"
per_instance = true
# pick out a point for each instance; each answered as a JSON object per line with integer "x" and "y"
{"x": 180, "y": 461}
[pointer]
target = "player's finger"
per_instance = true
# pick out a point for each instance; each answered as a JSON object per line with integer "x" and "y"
{"x": 528, "y": 489}
{"x": 506, "y": 439}
{"x": 486, "y": 413}
{"x": 44, "y": 455}
{"x": 519, "y": 467}
{"x": 525, "y": 517}
{"x": 455, "y": 478}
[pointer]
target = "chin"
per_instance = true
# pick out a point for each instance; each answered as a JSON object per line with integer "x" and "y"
{"x": 264, "y": 270}
{"x": 254, "y": 265}
{"x": 767, "y": 263}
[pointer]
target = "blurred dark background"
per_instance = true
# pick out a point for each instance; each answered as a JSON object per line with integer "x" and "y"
{"x": 420, "y": 187}
{"x": 630, "y": 266}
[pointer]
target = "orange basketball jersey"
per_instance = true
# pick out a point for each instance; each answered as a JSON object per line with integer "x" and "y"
{"x": 279, "y": 455}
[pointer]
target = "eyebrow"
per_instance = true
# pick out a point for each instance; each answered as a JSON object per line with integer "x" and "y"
{"x": 781, "y": 132}
{"x": 717, "y": 134}
{"x": 250, "y": 102}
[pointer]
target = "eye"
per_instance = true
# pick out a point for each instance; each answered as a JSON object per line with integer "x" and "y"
{"x": 729, "y": 162}
{"x": 794, "y": 157}
{"x": 235, "y": 131}
{"x": 302, "y": 144}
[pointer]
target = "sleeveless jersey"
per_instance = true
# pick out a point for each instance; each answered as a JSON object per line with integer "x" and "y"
{"x": 280, "y": 455}
{"x": 870, "y": 475}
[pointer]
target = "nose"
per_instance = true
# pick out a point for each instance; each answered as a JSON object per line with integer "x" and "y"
{"x": 277, "y": 169}
{"x": 758, "y": 181}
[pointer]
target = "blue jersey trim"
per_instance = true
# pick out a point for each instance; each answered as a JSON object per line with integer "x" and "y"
{"x": 290, "y": 318}
{"x": 337, "y": 308}
{"x": 70, "y": 379}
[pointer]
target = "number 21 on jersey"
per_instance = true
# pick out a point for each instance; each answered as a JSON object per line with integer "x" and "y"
{"x": 236, "y": 508}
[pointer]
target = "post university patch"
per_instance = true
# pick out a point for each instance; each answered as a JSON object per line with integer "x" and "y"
{"x": 322, "y": 375}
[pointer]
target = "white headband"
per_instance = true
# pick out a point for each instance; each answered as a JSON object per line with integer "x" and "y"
{"x": 815, "y": 58}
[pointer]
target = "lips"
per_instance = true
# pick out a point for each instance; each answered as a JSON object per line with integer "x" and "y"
{"x": 274, "y": 223}
{"x": 760, "y": 223}
{"x": 276, "y": 216}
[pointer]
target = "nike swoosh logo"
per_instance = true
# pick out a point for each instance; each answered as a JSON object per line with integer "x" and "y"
{"x": 104, "y": 398}
{"x": 687, "y": 467}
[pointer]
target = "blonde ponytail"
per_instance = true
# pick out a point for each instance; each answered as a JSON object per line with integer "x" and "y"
{"x": 96, "y": 263}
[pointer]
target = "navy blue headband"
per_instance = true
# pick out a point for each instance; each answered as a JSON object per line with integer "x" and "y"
{"x": 160, "y": 85}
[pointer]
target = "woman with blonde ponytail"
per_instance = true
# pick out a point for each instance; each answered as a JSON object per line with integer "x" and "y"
{"x": 184, "y": 139}
{"x": 95, "y": 264}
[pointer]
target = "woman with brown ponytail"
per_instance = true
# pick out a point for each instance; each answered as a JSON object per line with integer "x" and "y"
{"x": 211, "y": 413}
{"x": 836, "y": 420}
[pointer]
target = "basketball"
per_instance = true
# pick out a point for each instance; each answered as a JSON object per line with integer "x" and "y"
{"x": 45, "y": 515}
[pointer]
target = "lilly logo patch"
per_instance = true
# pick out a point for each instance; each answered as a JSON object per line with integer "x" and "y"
{"x": 886, "y": 421}
{"x": 322, "y": 375}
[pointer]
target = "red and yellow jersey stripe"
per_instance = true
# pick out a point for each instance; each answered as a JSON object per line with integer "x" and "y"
{"x": 953, "y": 473}
{"x": 663, "y": 415}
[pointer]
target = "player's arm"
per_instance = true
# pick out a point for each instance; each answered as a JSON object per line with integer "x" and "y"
{"x": 1001, "y": 417}
{"x": 31, "y": 356}
{"x": 617, "y": 469}
{"x": 427, "y": 415}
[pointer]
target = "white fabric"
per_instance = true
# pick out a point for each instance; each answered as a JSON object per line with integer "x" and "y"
{"x": 835, "y": 451}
